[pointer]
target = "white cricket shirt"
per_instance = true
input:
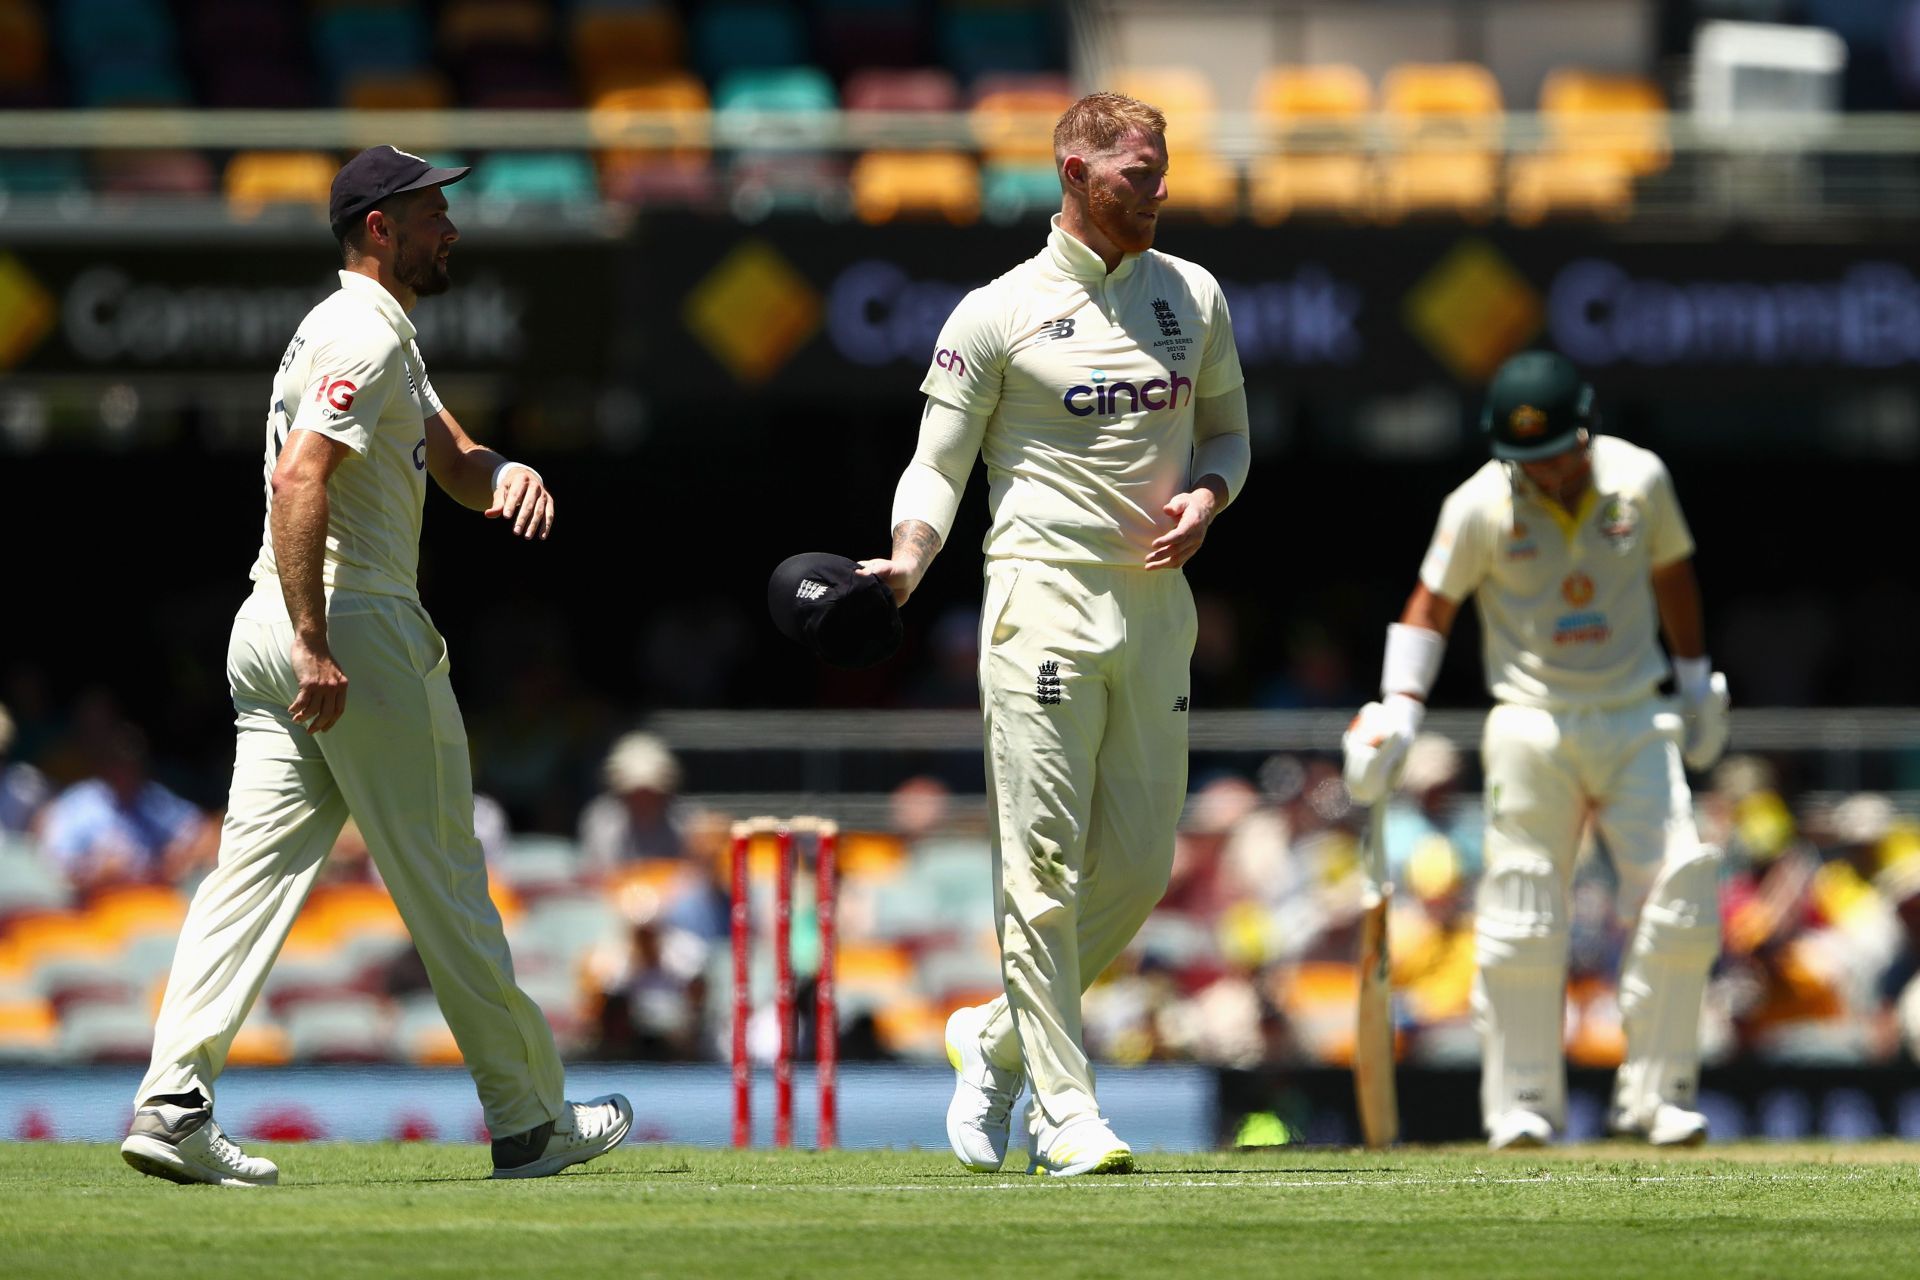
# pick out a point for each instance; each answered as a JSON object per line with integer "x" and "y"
{"x": 354, "y": 374}
{"x": 1567, "y": 611}
{"x": 1087, "y": 380}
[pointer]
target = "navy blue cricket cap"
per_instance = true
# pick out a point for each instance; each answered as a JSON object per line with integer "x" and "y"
{"x": 844, "y": 617}
{"x": 376, "y": 173}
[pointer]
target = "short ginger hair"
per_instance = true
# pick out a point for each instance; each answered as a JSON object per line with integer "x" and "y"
{"x": 1098, "y": 121}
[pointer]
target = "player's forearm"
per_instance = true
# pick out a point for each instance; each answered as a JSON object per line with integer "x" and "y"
{"x": 1222, "y": 445}
{"x": 1676, "y": 590}
{"x": 467, "y": 476}
{"x": 299, "y": 527}
{"x": 915, "y": 544}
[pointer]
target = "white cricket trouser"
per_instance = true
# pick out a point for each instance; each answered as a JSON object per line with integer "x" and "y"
{"x": 1547, "y": 772}
{"x": 397, "y": 762}
{"x": 1084, "y": 686}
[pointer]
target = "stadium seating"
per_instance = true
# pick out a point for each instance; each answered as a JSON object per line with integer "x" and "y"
{"x": 642, "y": 175}
{"x": 256, "y": 179}
{"x": 859, "y": 34}
{"x": 397, "y": 91}
{"x": 894, "y": 184}
{"x": 732, "y": 35}
{"x": 551, "y": 177}
{"x": 153, "y": 171}
{"x": 614, "y": 48}
{"x": 1318, "y": 120}
{"x": 901, "y": 89}
{"x": 1444, "y": 119}
{"x": 1017, "y": 170}
{"x": 23, "y": 52}
{"x": 1199, "y": 181}
{"x": 1602, "y": 132}
{"x": 779, "y": 109}
{"x": 979, "y": 40}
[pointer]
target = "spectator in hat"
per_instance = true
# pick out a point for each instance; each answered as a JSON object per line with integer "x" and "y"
{"x": 634, "y": 818}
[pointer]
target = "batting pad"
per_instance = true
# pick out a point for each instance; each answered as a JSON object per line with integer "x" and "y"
{"x": 1662, "y": 983}
{"x": 1519, "y": 994}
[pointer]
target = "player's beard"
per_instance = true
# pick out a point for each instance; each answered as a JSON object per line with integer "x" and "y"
{"x": 417, "y": 265}
{"x": 1117, "y": 222}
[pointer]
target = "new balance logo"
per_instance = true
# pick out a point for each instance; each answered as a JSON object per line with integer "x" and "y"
{"x": 1180, "y": 703}
{"x": 810, "y": 590}
{"x": 1056, "y": 329}
{"x": 1046, "y": 688}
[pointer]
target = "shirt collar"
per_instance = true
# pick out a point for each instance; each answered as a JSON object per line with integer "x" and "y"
{"x": 1074, "y": 259}
{"x": 385, "y": 303}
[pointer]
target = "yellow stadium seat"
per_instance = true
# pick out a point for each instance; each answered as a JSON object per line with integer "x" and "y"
{"x": 397, "y": 91}
{"x": 1198, "y": 180}
{"x": 911, "y": 1027}
{"x": 29, "y": 1023}
{"x": 255, "y": 179}
{"x": 1444, "y": 119}
{"x": 630, "y": 172}
{"x": 1015, "y": 126}
{"x": 260, "y": 1045}
{"x": 136, "y": 911}
{"x": 619, "y": 48}
{"x": 871, "y": 854}
{"x": 893, "y": 184}
{"x": 1318, "y": 116}
{"x": 1602, "y": 132}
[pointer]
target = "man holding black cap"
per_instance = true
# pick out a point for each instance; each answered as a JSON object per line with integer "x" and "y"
{"x": 1100, "y": 382}
{"x": 1574, "y": 545}
{"x": 344, "y": 708}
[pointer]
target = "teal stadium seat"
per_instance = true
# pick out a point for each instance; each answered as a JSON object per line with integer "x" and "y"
{"x": 27, "y": 883}
{"x": 1009, "y": 192}
{"x": 551, "y": 177}
{"x": 779, "y": 104}
{"x": 730, "y": 36}
{"x": 976, "y": 42}
{"x": 349, "y": 42}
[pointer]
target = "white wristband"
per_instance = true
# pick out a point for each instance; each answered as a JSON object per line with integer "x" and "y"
{"x": 1413, "y": 660}
{"x": 1693, "y": 677}
{"x": 505, "y": 467}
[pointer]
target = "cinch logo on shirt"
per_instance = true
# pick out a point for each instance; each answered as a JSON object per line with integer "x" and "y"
{"x": 951, "y": 362}
{"x": 1103, "y": 397}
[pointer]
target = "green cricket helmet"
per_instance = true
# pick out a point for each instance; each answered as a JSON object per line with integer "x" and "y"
{"x": 1537, "y": 406}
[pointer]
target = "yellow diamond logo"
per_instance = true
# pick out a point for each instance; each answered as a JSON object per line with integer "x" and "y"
{"x": 26, "y": 312}
{"x": 753, "y": 311}
{"x": 1473, "y": 310}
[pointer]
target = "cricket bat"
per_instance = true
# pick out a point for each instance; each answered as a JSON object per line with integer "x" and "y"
{"x": 1373, "y": 1033}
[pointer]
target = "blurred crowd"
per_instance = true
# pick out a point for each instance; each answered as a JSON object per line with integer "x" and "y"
{"x": 1247, "y": 960}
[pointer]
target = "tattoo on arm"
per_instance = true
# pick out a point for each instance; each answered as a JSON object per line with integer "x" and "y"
{"x": 915, "y": 539}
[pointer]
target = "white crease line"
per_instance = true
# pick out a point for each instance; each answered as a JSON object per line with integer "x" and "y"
{"x": 1137, "y": 1182}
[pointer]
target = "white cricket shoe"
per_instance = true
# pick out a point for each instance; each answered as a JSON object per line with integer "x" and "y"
{"x": 1518, "y": 1130}
{"x": 1087, "y": 1145}
{"x": 583, "y": 1131}
{"x": 981, "y": 1113}
{"x": 1676, "y": 1127}
{"x": 183, "y": 1144}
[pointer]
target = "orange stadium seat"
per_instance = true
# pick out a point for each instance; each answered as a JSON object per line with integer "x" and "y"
{"x": 888, "y": 185}
{"x": 465, "y": 24}
{"x": 1319, "y": 117}
{"x": 1602, "y": 132}
{"x": 641, "y": 174}
{"x": 1445, "y": 123}
{"x": 1198, "y": 180}
{"x": 397, "y": 91}
{"x": 617, "y": 48}
{"x": 256, "y": 179}
{"x": 136, "y": 911}
{"x": 29, "y": 1024}
{"x": 23, "y": 44}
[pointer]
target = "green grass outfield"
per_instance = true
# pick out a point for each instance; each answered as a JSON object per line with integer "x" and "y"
{"x": 77, "y": 1212}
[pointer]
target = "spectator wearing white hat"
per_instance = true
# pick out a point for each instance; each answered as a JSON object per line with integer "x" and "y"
{"x": 635, "y": 817}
